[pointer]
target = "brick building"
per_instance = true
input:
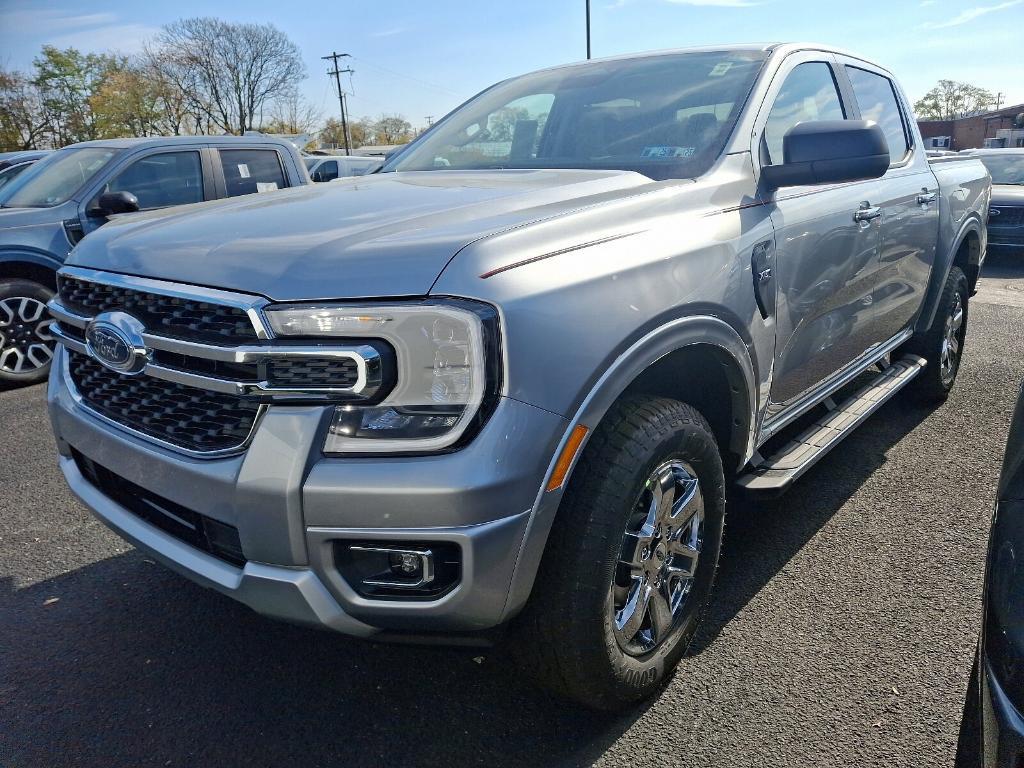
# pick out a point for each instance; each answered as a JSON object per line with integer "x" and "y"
{"x": 970, "y": 132}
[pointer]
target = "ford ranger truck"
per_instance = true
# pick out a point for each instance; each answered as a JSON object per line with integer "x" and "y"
{"x": 504, "y": 383}
{"x": 56, "y": 202}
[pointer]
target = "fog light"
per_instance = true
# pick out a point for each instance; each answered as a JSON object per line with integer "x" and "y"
{"x": 399, "y": 570}
{"x": 407, "y": 568}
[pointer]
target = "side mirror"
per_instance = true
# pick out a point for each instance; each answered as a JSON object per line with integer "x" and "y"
{"x": 829, "y": 152}
{"x": 111, "y": 203}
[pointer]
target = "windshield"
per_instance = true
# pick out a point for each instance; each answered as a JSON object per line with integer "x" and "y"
{"x": 666, "y": 116}
{"x": 1005, "y": 169}
{"x": 53, "y": 180}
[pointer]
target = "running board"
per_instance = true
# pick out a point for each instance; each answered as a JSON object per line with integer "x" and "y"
{"x": 774, "y": 474}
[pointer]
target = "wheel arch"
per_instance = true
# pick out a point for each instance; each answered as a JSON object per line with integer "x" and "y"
{"x": 966, "y": 252}
{"x": 668, "y": 361}
{"x": 30, "y": 265}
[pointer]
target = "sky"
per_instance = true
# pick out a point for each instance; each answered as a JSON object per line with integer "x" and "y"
{"x": 423, "y": 59}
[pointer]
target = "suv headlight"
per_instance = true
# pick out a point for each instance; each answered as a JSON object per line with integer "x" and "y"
{"x": 446, "y": 378}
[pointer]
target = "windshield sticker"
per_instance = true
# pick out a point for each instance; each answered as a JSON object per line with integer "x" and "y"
{"x": 243, "y": 170}
{"x": 668, "y": 152}
{"x": 266, "y": 186}
{"x": 720, "y": 69}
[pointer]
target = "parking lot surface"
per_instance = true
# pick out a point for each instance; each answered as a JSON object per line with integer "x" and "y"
{"x": 842, "y": 632}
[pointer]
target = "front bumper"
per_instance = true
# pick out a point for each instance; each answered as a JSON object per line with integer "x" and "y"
{"x": 1002, "y": 727}
{"x": 290, "y": 504}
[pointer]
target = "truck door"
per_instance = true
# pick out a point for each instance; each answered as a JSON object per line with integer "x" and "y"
{"x": 907, "y": 197}
{"x": 827, "y": 239}
{"x": 159, "y": 179}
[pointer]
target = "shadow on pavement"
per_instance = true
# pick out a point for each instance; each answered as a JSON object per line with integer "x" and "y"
{"x": 132, "y": 665}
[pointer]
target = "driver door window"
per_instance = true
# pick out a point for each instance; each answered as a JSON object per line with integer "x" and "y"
{"x": 162, "y": 180}
{"x": 808, "y": 93}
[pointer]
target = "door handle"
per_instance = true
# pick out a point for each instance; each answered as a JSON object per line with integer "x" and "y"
{"x": 867, "y": 212}
{"x": 926, "y": 197}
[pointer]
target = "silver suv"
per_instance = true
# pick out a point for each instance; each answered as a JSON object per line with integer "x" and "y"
{"x": 505, "y": 381}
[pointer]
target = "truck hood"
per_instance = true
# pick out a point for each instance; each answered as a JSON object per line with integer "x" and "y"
{"x": 1007, "y": 194}
{"x": 369, "y": 236}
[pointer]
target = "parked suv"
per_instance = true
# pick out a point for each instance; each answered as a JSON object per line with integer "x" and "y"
{"x": 505, "y": 381}
{"x": 52, "y": 205}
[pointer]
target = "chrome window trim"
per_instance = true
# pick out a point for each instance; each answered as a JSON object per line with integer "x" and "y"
{"x": 217, "y": 454}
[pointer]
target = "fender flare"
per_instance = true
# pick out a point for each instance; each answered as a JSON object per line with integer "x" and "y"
{"x": 32, "y": 257}
{"x": 940, "y": 271}
{"x": 663, "y": 340}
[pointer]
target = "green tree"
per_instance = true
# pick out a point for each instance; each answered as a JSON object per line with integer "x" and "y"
{"x": 950, "y": 99}
{"x": 66, "y": 81}
{"x": 392, "y": 129}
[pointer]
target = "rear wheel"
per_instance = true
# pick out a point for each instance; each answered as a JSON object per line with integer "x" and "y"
{"x": 629, "y": 566}
{"x": 942, "y": 345}
{"x": 26, "y": 346}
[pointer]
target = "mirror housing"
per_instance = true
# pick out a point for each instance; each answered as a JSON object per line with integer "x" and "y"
{"x": 111, "y": 203}
{"x": 829, "y": 152}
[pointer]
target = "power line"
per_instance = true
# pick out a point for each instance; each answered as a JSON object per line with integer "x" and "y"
{"x": 341, "y": 94}
{"x": 407, "y": 77}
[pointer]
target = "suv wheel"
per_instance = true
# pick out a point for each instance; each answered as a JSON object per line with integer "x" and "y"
{"x": 942, "y": 345}
{"x": 26, "y": 346}
{"x": 629, "y": 566}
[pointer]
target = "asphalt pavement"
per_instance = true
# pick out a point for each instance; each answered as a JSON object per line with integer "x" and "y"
{"x": 842, "y": 632}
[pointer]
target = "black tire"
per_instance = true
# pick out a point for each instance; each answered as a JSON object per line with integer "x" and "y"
{"x": 934, "y": 383}
{"x": 23, "y": 333}
{"x": 566, "y": 637}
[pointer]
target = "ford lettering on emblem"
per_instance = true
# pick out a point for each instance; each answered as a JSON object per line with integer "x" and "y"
{"x": 114, "y": 339}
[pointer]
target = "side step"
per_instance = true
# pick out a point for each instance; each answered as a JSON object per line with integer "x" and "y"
{"x": 774, "y": 474}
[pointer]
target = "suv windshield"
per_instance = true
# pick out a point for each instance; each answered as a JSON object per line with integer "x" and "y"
{"x": 665, "y": 116}
{"x": 1005, "y": 169}
{"x": 53, "y": 180}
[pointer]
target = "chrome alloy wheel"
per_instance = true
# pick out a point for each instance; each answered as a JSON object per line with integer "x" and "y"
{"x": 949, "y": 356}
{"x": 658, "y": 558}
{"x": 25, "y": 341}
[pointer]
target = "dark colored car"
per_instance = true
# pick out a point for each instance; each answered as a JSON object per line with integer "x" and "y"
{"x": 993, "y": 730}
{"x": 13, "y": 163}
{"x": 54, "y": 204}
{"x": 1006, "y": 211}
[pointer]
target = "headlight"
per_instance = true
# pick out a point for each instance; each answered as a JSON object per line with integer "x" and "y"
{"x": 447, "y": 371}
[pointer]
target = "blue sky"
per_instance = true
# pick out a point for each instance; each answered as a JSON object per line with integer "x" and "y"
{"x": 422, "y": 59}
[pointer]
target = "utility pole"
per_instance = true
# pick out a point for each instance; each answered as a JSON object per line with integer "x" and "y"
{"x": 430, "y": 120}
{"x": 588, "y": 29}
{"x": 341, "y": 94}
{"x": 999, "y": 101}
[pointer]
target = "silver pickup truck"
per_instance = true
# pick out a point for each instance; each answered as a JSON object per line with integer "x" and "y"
{"x": 503, "y": 384}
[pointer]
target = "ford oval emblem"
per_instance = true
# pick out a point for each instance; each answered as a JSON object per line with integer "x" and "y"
{"x": 114, "y": 339}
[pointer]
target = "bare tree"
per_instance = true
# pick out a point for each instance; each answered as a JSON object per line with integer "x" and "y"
{"x": 229, "y": 72}
{"x": 949, "y": 100}
{"x": 292, "y": 114}
{"x": 392, "y": 129}
{"x": 22, "y": 123}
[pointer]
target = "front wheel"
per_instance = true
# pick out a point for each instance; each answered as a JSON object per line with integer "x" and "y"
{"x": 26, "y": 346}
{"x": 628, "y": 570}
{"x": 942, "y": 345}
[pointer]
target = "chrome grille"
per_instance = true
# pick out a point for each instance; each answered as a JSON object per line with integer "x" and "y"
{"x": 186, "y": 417}
{"x": 183, "y": 390}
{"x": 173, "y": 316}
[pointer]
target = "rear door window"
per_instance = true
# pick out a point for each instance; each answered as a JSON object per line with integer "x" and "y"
{"x": 808, "y": 93}
{"x": 326, "y": 171}
{"x": 877, "y": 101}
{"x": 162, "y": 180}
{"x": 251, "y": 170}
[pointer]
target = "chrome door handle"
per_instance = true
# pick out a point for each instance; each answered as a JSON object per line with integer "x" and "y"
{"x": 926, "y": 197}
{"x": 867, "y": 212}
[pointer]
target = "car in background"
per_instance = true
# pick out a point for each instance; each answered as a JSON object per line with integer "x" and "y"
{"x": 334, "y": 167}
{"x": 13, "y": 163}
{"x": 993, "y": 730}
{"x": 1006, "y": 211}
{"x": 50, "y": 207}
